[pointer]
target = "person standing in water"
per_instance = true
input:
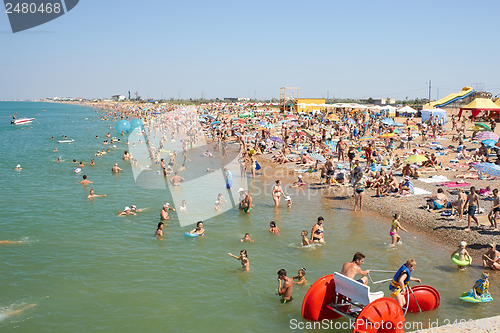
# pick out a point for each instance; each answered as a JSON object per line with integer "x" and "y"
{"x": 400, "y": 281}
{"x": 243, "y": 258}
{"x": 285, "y": 290}
{"x": 92, "y": 195}
{"x": 159, "y": 230}
{"x": 395, "y": 226}
{"x": 317, "y": 235}
{"x": 164, "y": 212}
{"x": 277, "y": 192}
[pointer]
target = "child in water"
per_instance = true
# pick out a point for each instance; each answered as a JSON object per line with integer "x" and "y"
{"x": 481, "y": 286}
{"x": 288, "y": 201}
{"x": 395, "y": 226}
{"x": 463, "y": 254}
{"x": 243, "y": 258}
{"x": 300, "y": 277}
{"x": 274, "y": 229}
{"x": 246, "y": 238}
{"x": 183, "y": 207}
{"x": 305, "y": 240}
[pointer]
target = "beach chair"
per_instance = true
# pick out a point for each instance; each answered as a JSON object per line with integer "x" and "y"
{"x": 354, "y": 292}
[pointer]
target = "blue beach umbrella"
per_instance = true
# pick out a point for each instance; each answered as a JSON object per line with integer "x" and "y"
{"x": 215, "y": 122}
{"x": 488, "y": 168}
{"x": 489, "y": 142}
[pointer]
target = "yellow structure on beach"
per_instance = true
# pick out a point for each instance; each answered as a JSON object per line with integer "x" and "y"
{"x": 309, "y": 104}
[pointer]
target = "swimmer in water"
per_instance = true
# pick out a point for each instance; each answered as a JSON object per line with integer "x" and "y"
{"x": 274, "y": 229}
{"x": 92, "y": 195}
{"x": 116, "y": 168}
{"x": 288, "y": 201}
{"x": 58, "y": 159}
{"x": 8, "y": 313}
{"x": 246, "y": 238}
{"x": 126, "y": 211}
{"x": 159, "y": 230}
{"x": 176, "y": 180}
{"x": 92, "y": 163}
{"x": 305, "y": 240}
{"x": 300, "y": 277}
{"x": 243, "y": 258}
{"x": 10, "y": 242}
{"x": 18, "y": 167}
{"x": 137, "y": 210}
{"x": 164, "y": 212}
{"x": 85, "y": 181}
{"x": 199, "y": 229}
{"x": 217, "y": 205}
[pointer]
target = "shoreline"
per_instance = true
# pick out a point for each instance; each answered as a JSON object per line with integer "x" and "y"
{"x": 445, "y": 231}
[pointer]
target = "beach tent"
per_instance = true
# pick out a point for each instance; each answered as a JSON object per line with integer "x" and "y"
{"x": 478, "y": 105}
{"x": 431, "y": 114}
{"x": 407, "y": 111}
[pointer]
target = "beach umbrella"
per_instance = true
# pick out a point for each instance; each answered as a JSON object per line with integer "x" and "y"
{"x": 388, "y": 135}
{"x": 416, "y": 158}
{"x": 483, "y": 126}
{"x": 308, "y": 133}
{"x": 276, "y": 139}
{"x": 476, "y": 128}
{"x": 215, "y": 122}
{"x": 269, "y": 126}
{"x": 352, "y": 121}
{"x": 489, "y": 143}
{"x": 387, "y": 121}
{"x": 488, "y": 168}
{"x": 317, "y": 157}
{"x": 366, "y": 138}
{"x": 487, "y": 135}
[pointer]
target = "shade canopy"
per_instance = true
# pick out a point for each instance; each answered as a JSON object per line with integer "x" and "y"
{"x": 431, "y": 115}
{"x": 478, "y": 105}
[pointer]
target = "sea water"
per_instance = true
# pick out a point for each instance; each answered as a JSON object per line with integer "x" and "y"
{"x": 87, "y": 269}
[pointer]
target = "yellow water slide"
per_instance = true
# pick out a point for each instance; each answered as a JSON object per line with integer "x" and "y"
{"x": 466, "y": 92}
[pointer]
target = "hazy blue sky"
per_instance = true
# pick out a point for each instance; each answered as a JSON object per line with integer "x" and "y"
{"x": 252, "y": 48}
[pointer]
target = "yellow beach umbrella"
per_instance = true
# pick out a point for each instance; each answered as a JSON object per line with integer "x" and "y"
{"x": 388, "y": 135}
{"x": 366, "y": 138}
{"x": 476, "y": 128}
{"x": 416, "y": 158}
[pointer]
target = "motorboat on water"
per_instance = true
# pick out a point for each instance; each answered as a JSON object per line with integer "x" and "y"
{"x": 22, "y": 121}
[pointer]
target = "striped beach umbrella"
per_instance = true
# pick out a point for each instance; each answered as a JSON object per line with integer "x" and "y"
{"x": 487, "y": 135}
{"x": 416, "y": 158}
{"x": 483, "y": 126}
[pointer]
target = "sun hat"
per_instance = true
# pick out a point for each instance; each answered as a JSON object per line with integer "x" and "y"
{"x": 126, "y": 208}
{"x": 287, "y": 198}
{"x": 133, "y": 206}
{"x": 18, "y": 166}
{"x": 241, "y": 189}
{"x": 300, "y": 176}
{"x": 463, "y": 243}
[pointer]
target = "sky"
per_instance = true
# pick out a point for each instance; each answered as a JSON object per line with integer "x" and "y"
{"x": 217, "y": 49}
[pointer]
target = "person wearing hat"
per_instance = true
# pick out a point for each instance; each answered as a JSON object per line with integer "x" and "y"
{"x": 116, "y": 168}
{"x": 406, "y": 186}
{"x": 299, "y": 182}
{"x": 18, "y": 167}
{"x": 164, "y": 212}
{"x": 463, "y": 254}
{"x": 491, "y": 258}
{"x": 126, "y": 211}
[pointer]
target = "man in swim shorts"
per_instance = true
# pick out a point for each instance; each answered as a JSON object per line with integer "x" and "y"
{"x": 176, "y": 180}
{"x": 85, "y": 181}
{"x": 473, "y": 202}
{"x": 247, "y": 203}
{"x": 351, "y": 269}
{"x": 285, "y": 291}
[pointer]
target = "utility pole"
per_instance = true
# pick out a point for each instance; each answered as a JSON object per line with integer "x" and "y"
{"x": 437, "y": 97}
{"x": 429, "y": 92}
{"x": 328, "y": 94}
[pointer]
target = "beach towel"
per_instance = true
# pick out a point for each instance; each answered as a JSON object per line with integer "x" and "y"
{"x": 434, "y": 179}
{"x": 416, "y": 191}
{"x": 454, "y": 184}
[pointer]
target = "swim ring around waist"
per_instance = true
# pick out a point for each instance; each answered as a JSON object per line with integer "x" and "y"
{"x": 459, "y": 262}
{"x": 187, "y": 234}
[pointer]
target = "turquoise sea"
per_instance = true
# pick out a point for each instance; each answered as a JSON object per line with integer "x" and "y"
{"x": 88, "y": 270}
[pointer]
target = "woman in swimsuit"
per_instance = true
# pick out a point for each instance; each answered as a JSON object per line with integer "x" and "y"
{"x": 273, "y": 228}
{"x": 243, "y": 258}
{"x": 253, "y": 165}
{"x": 159, "y": 230}
{"x": 277, "y": 191}
{"x": 199, "y": 229}
{"x": 317, "y": 231}
{"x": 395, "y": 226}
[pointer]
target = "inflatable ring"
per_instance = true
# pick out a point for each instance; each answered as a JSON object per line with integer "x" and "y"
{"x": 456, "y": 260}
{"x": 187, "y": 234}
{"x": 469, "y": 297}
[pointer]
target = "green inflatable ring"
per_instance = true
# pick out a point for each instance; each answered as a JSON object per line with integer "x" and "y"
{"x": 456, "y": 260}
